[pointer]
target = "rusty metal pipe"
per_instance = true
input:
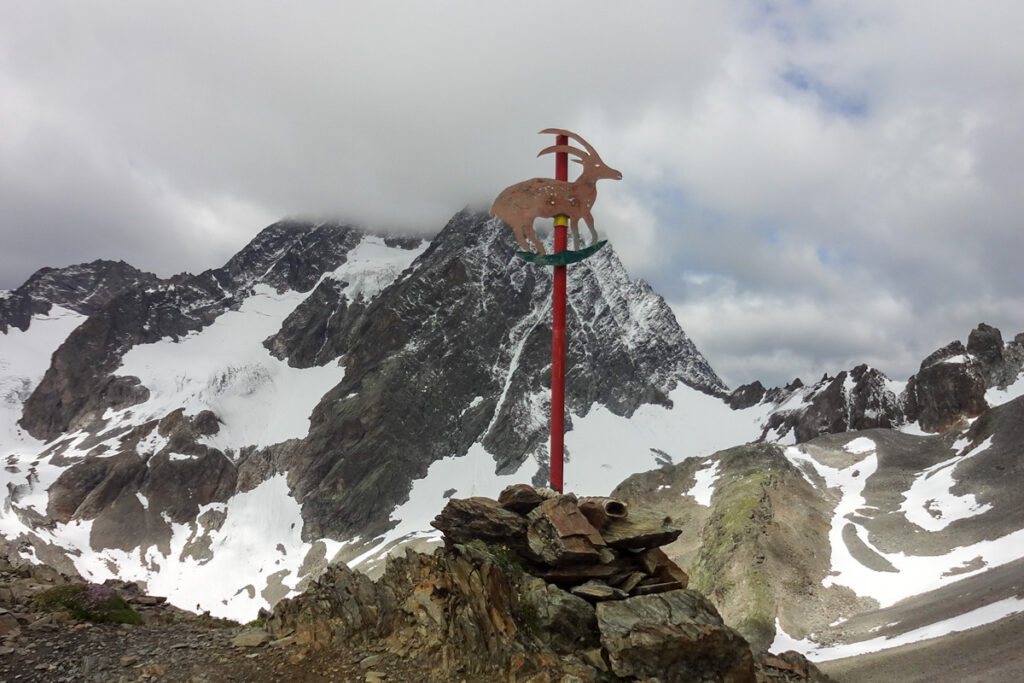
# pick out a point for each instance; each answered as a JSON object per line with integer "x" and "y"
{"x": 599, "y": 510}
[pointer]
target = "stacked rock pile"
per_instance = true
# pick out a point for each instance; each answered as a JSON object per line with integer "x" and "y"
{"x": 596, "y": 548}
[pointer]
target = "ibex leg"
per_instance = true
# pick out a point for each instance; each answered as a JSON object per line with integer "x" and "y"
{"x": 520, "y": 237}
{"x": 590, "y": 224}
{"x": 532, "y": 236}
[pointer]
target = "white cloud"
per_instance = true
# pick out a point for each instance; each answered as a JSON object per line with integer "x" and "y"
{"x": 809, "y": 157}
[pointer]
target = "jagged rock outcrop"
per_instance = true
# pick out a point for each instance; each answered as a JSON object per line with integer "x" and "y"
{"x": 858, "y": 399}
{"x": 949, "y": 387}
{"x": 985, "y": 343}
{"x": 951, "y": 384}
{"x": 746, "y": 396}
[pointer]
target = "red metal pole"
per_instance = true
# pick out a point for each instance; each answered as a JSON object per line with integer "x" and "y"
{"x": 558, "y": 332}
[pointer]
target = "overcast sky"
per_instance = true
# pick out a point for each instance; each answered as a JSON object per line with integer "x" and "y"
{"x": 811, "y": 185}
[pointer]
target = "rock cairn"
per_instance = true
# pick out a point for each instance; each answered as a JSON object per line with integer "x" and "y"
{"x": 534, "y": 587}
{"x": 596, "y": 548}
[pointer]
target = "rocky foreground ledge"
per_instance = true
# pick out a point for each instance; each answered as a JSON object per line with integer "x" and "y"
{"x": 533, "y": 587}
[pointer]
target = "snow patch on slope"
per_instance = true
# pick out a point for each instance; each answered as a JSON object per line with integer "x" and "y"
{"x": 603, "y": 448}
{"x": 372, "y": 265}
{"x": 452, "y": 477}
{"x": 24, "y": 358}
{"x": 601, "y": 451}
{"x": 930, "y": 502}
{"x": 265, "y": 518}
{"x": 996, "y": 397}
{"x": 704, "y": 483}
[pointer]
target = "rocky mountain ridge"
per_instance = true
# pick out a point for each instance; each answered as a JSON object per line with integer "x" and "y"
{"x": 84, "y": 288}
{"x": 948, "y": 389}
{"x": 422, "y": 352}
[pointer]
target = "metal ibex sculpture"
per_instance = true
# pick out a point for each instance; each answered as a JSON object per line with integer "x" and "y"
{"x": 519, "y": 204}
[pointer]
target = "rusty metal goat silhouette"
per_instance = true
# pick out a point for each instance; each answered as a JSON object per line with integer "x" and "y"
{"x": 519, "y": 204}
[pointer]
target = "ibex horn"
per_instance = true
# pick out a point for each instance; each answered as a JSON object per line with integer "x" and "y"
{"x": 569, "y": 133}
{"x": 564, "y": 148}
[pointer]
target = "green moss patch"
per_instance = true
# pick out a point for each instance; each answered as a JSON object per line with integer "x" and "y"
{"x": 88, "y": 602}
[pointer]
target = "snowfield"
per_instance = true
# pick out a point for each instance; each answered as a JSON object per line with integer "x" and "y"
{"x": 987, "y": 614}
{"x": 259, "y": 399}
{"x": 231, "y": 583}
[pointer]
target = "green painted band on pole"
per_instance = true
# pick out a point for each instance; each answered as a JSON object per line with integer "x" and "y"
{"x": 562, "y": 258}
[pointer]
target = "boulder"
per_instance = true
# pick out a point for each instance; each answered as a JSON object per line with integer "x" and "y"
{"x": 559, "y": 534}
{"x": 521, "y": 498}
{"x": 467, "y": 519}
{"x": 253, "y": 637}
{"x": 562, "y": 621}
{"x": 676, "y": 636}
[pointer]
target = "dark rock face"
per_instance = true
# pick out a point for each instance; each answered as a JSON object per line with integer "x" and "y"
{"x": 314, "y": 333}
{"x": 746, "y": 396}
{"x": 949, "y": 386}
{"x": 986, "y": 344}
{"x": 84, "y": 288}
